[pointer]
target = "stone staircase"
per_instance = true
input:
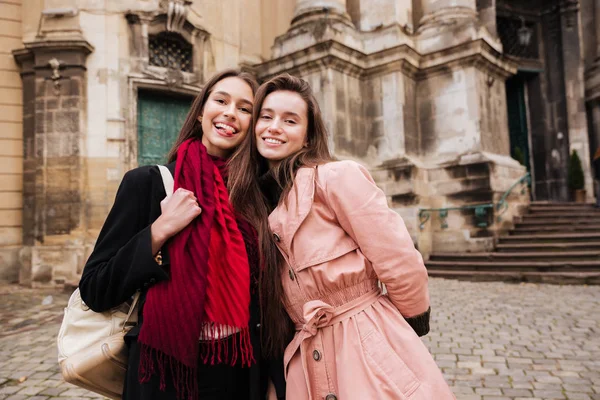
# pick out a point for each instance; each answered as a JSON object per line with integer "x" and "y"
{"x": 553, "y": 242}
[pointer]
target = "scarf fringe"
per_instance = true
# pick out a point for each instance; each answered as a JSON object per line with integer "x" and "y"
{"x": 184, "y": 377}
{"x": 216, "y": 349}
{"x": 232, "y": 350}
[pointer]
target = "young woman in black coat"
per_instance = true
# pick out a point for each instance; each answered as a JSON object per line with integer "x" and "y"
{"x": 194, "y": 260}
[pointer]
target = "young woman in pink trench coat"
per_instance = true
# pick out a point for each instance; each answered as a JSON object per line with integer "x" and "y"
{"x": 336, "y": 240}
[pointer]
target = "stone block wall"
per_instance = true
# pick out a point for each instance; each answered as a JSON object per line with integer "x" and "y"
{"x": 54, "y": 167}
{"x": 478, "y": 182}
{"x": 11, "y": 142}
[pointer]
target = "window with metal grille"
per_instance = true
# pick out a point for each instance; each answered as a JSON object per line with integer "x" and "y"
{"x": 170, "y": 50}
{"x": 510, "y": 36}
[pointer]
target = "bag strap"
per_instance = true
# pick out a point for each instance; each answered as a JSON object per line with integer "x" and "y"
{"x": 167, "y": 179}
{"x": 168, "y": 184}
{"x": 136, "y": 297}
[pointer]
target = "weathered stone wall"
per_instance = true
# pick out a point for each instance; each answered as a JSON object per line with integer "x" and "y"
{"x": 11, "y": 142}
{"x": 414, "y": 89}
{"x": 54, "y": 165}
{"x": 448, "y": 113}
{"x": 590, "y": 15}
{"x": 82, "y": 137}
{"x": 492, "y": 125}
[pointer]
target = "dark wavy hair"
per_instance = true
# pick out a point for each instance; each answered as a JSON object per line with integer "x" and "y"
{"x": 192, "y": 127}
{"x": 245, "y": 167}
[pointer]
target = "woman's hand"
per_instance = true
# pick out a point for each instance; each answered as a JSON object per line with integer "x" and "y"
{"x": 178, "y": 210}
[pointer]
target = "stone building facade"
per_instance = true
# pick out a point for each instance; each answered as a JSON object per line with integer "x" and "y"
{"x": 434, "y": 96}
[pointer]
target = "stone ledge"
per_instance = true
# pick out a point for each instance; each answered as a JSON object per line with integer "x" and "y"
{"x": 403, "y": 57}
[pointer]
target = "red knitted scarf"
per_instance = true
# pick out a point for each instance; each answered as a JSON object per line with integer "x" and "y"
{"x": 209, "y": 286}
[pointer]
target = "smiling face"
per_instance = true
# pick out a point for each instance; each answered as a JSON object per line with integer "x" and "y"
{"x": 226, "y": 116}
{"x": 281, "y": 128}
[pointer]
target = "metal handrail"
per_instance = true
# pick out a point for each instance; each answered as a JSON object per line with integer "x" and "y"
{"x": 480, "y": 209}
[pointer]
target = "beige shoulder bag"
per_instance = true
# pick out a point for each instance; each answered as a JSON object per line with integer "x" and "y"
{"x": 91, "y": 350}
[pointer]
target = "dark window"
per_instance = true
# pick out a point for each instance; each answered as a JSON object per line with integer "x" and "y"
{"x": 170, "y": 50}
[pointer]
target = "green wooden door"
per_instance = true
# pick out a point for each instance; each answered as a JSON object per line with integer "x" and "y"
{"x": 160, "y": 118}
{"x": 517, "y": 120}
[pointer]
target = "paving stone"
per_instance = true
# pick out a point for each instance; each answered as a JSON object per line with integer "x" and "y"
{"x": 492, "y": 340}
{"x": 30, "y": 390}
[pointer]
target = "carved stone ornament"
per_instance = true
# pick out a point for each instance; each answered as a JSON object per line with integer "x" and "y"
{"x": 174, "y": 77}
{"x": 55, "y": 65}
{"x": 176, "y": 14}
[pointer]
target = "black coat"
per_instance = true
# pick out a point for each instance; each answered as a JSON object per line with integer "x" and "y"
{"x": 122, "y": 263}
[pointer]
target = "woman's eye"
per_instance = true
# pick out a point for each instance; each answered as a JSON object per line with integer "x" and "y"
{"x": 246, "y": 110}
{"x": 220, "y": 101}
{"x": 265, "y": 117}
{"x": 291, "y": 122}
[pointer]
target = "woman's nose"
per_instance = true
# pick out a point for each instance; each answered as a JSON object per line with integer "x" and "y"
{"x": 275, "y": 126}
{"x": 231, "y": 111}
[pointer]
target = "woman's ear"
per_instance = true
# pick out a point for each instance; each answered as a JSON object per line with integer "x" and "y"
{"x": 199, "y": 118}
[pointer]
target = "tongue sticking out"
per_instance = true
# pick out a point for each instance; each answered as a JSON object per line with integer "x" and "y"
{"x": 225, "y": 130}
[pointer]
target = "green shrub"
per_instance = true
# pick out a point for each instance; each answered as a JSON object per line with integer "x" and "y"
{"x": 519, "y": 156}
{"x": 575, "y": 178}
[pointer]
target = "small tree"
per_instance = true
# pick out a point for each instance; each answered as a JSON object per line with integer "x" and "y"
{"x": 575, "y": 178}
{"x": 519, "y": 155}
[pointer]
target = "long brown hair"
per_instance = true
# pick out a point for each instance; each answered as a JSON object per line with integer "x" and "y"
{"x": 192, "y": 127}
{"x": 245, "y": 167}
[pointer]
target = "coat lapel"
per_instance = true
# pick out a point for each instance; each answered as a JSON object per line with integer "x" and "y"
{"x": 286, "y": 219}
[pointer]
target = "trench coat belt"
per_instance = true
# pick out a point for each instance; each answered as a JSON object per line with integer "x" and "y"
{"x": 318, "y": 314}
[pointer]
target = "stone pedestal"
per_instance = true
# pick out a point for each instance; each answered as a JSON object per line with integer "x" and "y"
{"x": 54, "y": 203}
{"x": 307, "y": 8}
{"x": 592, "y": 90}
{"x": 575, "y": 88}
{"x": 410, "y": 109}
{"x": 447, "y": 23}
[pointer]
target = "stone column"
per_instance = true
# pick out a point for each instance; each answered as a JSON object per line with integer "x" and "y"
{"x": 487, "y": 15}
{"x": 54, "y": 107}
{"x": 575, "y": 86}
{"x": 448, "y": 23}
{"x": 369, "y": 15}
{"x": 305, "y": 8}
{"x": 436, "y": 11}
{"x": 597, "y": 24}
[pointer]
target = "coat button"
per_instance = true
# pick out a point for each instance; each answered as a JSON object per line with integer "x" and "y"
{"x": 331, "y": 397}
{"x": 316, "y": 355}
{"x": 152, "y": 280}
{"x": 276, "y": 237}
{"x": 291, "y": 273}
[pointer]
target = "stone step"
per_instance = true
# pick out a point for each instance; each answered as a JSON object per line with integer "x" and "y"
{"x": 556, "y": 247}
{"x": 557, "y": 221}
{"x": 589, "y": 255}
{"x": 577, "y": 278}
{"x": 560, "y": 204}
{"x": 550, "y": 238}
{"x": 527, "y": 265}
{"x": 563, "y": 214}
{"x": 521, "y": 229}
{"x": 563, "y": 209}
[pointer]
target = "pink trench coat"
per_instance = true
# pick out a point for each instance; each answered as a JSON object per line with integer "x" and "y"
{"x": 339, "y": 238}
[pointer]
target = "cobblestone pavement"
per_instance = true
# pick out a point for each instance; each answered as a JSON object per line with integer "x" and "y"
{"x": 492, "y": 340}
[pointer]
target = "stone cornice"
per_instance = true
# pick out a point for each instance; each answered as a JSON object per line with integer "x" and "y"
{"x": 70, "y": 52}
{"x": 477, "y": 52}
{"x": 403, "y": 58}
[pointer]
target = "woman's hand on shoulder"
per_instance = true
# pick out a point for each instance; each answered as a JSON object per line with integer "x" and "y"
{"x": 178, "y": 210}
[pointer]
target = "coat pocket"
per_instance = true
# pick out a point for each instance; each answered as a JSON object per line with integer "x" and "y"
{"x": 383, "y": 359}
{"x": 323, "y": 254}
